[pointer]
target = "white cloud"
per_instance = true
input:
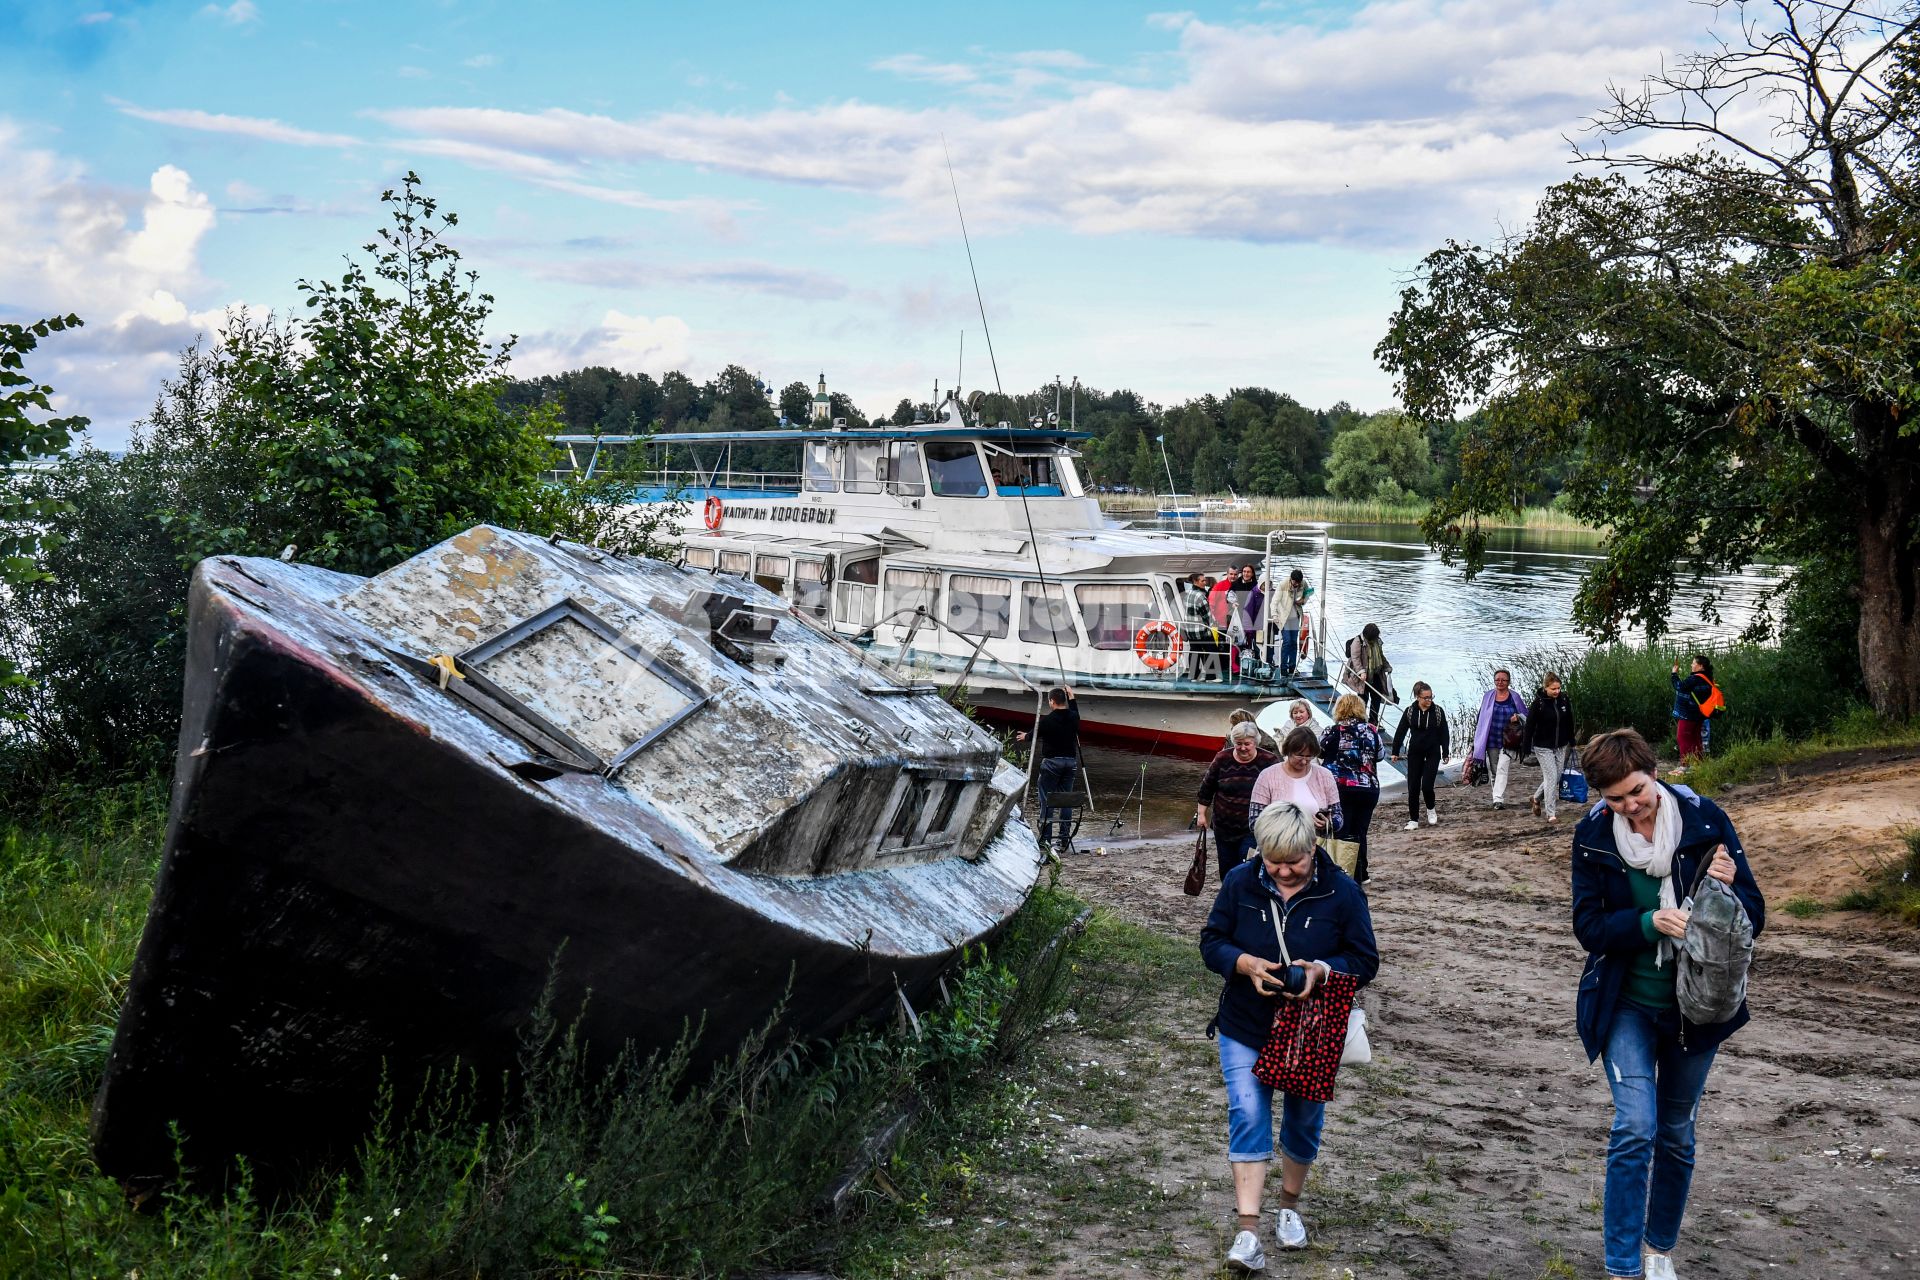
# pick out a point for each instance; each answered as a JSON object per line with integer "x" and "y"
{"x": 94, "y": 19}
{"x": 481, "y": 61}
{"x": 414, "y": 73}
{"x": 635, "y": 344}
{"x": 1413, "y": 120}
{"x": 125, "y": 262}
{"x": 912, "y": 66}
{"x": 237, "y": 14}
{"x": 265, "y": 130}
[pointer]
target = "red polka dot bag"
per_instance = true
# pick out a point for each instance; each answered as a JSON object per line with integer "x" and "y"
{"x": 1308, "y": 1038}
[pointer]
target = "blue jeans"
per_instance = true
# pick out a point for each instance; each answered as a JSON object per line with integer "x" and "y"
{"x": 1056, "y": 783}
{"x": 1289, "y": 651}
{"x": 1656, "y": 1095}
{"x": 1250, "y": 1112}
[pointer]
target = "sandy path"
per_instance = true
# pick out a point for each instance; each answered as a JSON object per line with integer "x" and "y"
{"x": 1476, "y": 1145}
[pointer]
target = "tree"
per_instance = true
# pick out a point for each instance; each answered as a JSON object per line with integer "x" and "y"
{"x": 796, "y": 404}
{"x": 1727, "y": 335}
{"x": 23, "y": 441}
{"x": 1384, "y": 458}
{"x": 361, "y": 435}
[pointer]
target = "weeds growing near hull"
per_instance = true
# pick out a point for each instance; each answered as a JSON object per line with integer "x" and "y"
{"x": 642, "y": 1168}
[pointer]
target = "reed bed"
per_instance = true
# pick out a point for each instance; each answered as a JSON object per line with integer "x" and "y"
{"x": 1353, "y": 511}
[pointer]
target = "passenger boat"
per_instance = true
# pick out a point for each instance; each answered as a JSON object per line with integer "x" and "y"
{"x": 1179, "y": 506}
{"x": 1231, "y": 505}
{"x": 405, "y": 806}
{"x": 968, "y": 553}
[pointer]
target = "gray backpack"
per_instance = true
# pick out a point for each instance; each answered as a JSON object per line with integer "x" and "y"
{"x": 1710, "y": 978}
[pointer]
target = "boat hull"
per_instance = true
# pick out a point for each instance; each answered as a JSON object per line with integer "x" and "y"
{"x": 359, "y": 887}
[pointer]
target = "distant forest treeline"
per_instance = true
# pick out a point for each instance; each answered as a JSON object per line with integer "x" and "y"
{"x": 1252, "y": 440}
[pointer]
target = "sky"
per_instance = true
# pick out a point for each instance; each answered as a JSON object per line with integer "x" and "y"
{"x": 1176, "y": 202}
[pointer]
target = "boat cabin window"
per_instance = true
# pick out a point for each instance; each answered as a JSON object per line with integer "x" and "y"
{"x": 734, "y": 562}
{"x": 700, "y": 557}
{"x": 810, "y": 585}
{"x": 820, "y": 471}
{"x": 863, "y": 467}
{"x": 953, "y": 467}
{"x": 979, "y": 606}
{"x": 929, "y": 811}
{"x": 1044, "y": 616}
{"x": 770, "y": 572}
{"x": 910, "y": 589}
{"x": 907, "y": 476}
{"x": 1031, "y": 474}
{"x": 856, "y": 597}
{"x": 1113, "y": 611}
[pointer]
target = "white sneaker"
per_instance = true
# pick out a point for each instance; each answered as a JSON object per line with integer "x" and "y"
{"x": 1246, "y": 1256}
{"x": 1290, "y": 1230}
{"x": 1659, "y": 1266}
{"x": 1412, "y": 826}
{"x": 1433, "y": 819}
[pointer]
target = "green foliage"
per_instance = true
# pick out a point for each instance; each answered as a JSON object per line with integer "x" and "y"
{"x": 359, "y": 435}
{"x": 641, "y": 1167}
{"x": 1771, "y": 690}
{"x": 24, "y": 440}
{"x": 1723, "y": 338}
{"x": 1384, "y": 458}
{"x": 1893, "y": 886}
{"x": 1856, "y": 728}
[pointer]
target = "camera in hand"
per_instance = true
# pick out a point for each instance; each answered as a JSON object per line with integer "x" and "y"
{"x": 1292, "y": 980}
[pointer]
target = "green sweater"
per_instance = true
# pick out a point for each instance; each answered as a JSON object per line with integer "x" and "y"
{"x": 1647, "y": 984}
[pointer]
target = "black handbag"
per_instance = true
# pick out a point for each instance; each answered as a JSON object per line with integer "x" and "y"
{"x": 1197, "y": 873}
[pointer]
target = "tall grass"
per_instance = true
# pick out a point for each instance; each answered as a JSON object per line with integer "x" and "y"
{"x": 641, "y": 1169}
{"x": 1771, "y": 690}
{"x": 1893, "y": 887}
{"x": 1858, "y": 729}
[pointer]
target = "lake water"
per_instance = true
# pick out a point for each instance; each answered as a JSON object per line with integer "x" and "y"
{"x": 1435, "y": 626}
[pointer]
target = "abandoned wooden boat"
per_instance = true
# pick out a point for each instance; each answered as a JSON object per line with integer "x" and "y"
{"x": 403, "y": 804}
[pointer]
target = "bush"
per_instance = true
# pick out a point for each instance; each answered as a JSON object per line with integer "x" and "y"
{"x": 1893, "y": 886}
{"x": 1770, "y": 690}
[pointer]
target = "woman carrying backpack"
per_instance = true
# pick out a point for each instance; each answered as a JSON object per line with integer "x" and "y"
{"x": 1634, "y": 862}
{"x": 1550, "y": 738}
{"x": 1351, "y": 749}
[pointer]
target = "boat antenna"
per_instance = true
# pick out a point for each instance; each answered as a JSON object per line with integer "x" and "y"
{"x": 1033, "y": 539}
{"x": 960, "y": 369}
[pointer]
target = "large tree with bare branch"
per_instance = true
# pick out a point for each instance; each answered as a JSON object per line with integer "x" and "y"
{"x": 1721, "y": 317}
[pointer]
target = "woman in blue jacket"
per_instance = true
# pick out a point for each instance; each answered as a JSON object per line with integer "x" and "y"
{"x": 1636, "y": 858}
{"x": 1292, "y": 889}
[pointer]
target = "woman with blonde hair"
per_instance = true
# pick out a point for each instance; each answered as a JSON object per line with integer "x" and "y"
{"x": 1351, "y": 749}
{"x": 1292, "y": 890}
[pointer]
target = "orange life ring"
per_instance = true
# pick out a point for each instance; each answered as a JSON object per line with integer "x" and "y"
{"x": 1157, "y": 645}
{"x": 715, "y": 512}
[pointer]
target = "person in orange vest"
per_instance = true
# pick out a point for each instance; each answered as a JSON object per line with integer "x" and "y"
{"x": 1695, "y": 698}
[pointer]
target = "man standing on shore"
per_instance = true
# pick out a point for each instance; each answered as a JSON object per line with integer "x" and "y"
{"x": 1057, "y": 740}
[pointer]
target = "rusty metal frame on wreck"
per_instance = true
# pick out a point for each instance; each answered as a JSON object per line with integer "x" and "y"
{"x": 570, "y": 609}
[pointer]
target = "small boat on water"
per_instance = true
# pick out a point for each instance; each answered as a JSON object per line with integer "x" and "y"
{"x": 969, "y": 553}
{"x": 404, "y": 805}
{"x": 1179, "y": 506}
{"x": 1231, "y": 505}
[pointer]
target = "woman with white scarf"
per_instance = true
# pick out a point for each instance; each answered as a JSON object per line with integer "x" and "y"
{"x": 1636, "y": 859}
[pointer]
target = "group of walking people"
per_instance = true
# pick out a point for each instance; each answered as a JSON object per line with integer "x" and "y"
{"x": 1290, "y": 925}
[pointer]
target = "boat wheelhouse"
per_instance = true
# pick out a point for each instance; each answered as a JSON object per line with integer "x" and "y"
{"x": 972, "y": 554}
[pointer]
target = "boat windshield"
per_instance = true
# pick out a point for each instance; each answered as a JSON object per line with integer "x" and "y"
{"x": 819, "y": 467}
{"x": 954, "y": 469}
{"x": 1033, "y": 475}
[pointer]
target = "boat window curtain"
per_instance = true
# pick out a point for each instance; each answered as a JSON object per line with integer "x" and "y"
{"x": 1046, "y": 619}
{"x": 1113, "y": 611}
{"x": 910, "y": 589}
{"x": 979, "y": 606}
